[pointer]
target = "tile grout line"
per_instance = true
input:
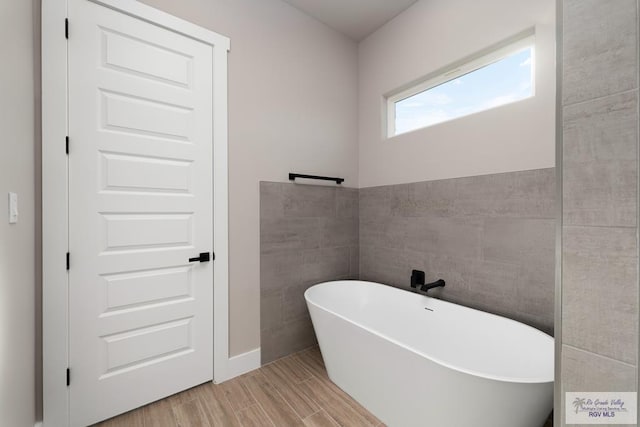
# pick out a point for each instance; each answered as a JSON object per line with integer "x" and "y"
{"x": 622, "y": 227}
{"x": 285, "y": 400}
{"x": 263, "y": 411}
{"x": 260, "y": 406}
{"x": 601, "y": 97}
{"x": 304, "y": 420}
{"x": 235, "y": 413}
{"x": 584, "y": 350}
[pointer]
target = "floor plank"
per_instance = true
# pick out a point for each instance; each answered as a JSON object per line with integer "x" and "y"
{"x": 287, "y": 384}
{"x": 350, "y": 401}
{"x": 320, "y": 419}
{"x": 185, "y": 396}
{"x": 159, "y": 414}
{"x": 190, "y": 414}
{"x": 316, "y": 354}
{"x": 278, "y": 410}
{"x": 254, "y": 416}
{"x": 312, "y": 360}
{"x": 237, "y": 394}
{"x": 309, "y": 361}
{"x": 217, "y": 408}
{"x": 296, "y": 372}
{"x": 337, "y": 407}
{"x": 130, "y": 419}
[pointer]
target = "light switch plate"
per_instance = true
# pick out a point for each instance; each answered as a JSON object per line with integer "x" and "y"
{"x": 13, "y": 208}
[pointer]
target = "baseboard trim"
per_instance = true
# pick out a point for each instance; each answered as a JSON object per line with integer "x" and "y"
{"x": 243, "y": 363}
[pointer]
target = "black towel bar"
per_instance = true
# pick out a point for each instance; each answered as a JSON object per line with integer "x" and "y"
{"x": 293, "y": 176}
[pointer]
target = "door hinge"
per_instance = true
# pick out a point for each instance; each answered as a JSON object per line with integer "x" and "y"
{"x": 68, "y": 377}
{"x": 67, "y": 144}
{"x": 213, "y": 256}
{"x": 66, "y": 28}
{"x": 68, "y": 260}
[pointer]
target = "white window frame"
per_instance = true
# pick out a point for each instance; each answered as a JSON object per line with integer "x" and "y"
{"x": 490, "y": 55}
{"x": 55, "y": 330}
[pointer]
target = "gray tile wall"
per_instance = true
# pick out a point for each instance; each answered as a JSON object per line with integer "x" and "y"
{"x": 308, "y": 234}
{"x": 600, "y": 176}
{"x": 491, "y": 238}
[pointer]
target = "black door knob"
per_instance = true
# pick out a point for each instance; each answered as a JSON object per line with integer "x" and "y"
{"x": 203, "y": 257}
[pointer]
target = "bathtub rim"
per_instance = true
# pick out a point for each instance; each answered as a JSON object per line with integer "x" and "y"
{"x": 433, "y": 359}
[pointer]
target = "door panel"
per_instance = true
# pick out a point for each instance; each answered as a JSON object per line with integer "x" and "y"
{"x": 140, "y": 205}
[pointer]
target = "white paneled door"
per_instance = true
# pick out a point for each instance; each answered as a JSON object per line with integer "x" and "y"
{"x": 140, "y": 207}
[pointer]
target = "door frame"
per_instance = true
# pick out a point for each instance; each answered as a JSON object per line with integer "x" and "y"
{"x": 55, "y": 197}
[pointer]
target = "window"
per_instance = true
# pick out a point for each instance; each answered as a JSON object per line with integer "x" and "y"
{"x": 502, "y": 76}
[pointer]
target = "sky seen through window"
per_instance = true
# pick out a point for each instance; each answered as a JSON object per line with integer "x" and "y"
{"x": 502, "y": 82}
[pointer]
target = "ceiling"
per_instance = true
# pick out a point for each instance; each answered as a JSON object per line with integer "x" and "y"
{"x": 354, "y": 18}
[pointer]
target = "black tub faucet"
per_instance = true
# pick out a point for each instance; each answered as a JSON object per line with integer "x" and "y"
{"x": 437, "y": 284}
{"x": 417, "y": 281}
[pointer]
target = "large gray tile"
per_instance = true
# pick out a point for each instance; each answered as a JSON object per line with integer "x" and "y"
{"x": 454, "y": 236}
{"x": 290, "y": 338}
{"x": 537, "y": 286}
{"x": 280, "y": 269}
{"x": 516, "y": 240}
{"x": 375, "y": 202}
{"x": 271, "y": 199}
{"x": 516, "y": 194}
{"x": 307, "y": 236}
{"x": 383, "y": 265}
{"x": 309, "y": 201}
{"x": 536, "y": 299}
{"x": 339, "y": 232}
{"x": 290, "y": 233}
{"x": 271, "y": 312}
{"x": 294, "y": 306}
{"x": 398, "y": 199}
{"x": 600, "y": 291}
{"x": 601, "y": 130}
{"x": 493, "y": 287}
{"x": 347, "y": 203}
{"x": 536, "y": 194}
{"x": 321, "y": 265}
{"x": 586, "y": 371}
{"x": 354, "y": 262}
{"x": 384, "y": 232}
{"x": 600, "y": 48}
{"x": 528, "y": 194}
{"x": 600, "y": 161}
{"x": 428, "y": 198}
{"x": 601, "y": 194}
{"x": 525, "y": 194}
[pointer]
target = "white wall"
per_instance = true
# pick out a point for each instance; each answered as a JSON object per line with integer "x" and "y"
{"x": 428, "y": 36}
{"x": 17, "y": 241}
{"x": 292, "y": 107}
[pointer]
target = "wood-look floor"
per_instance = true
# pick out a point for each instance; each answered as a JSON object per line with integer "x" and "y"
{"x": 293, "y": 391}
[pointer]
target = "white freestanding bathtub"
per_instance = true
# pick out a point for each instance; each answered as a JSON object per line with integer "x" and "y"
{"x": 413, "y": 360}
